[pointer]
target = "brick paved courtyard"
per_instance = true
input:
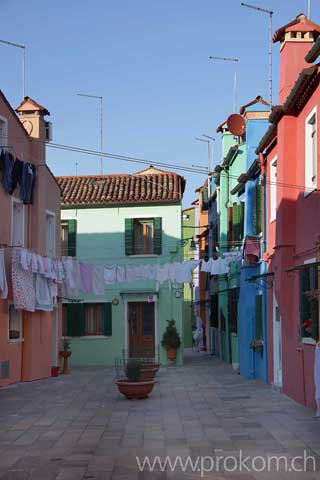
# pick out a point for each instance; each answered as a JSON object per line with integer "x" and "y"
{"x": 78, "y": 426}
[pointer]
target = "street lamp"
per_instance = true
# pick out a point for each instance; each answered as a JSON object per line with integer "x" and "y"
{"x": 101, "y": 123}
{"x": 23, "y": 48}
{"x": 235, "y": 86}
{"x": 270, "y": 13}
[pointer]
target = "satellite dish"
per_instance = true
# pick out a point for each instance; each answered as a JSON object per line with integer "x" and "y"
{"x": 236, "y": 124}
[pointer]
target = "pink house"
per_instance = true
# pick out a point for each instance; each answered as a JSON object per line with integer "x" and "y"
{"x": 289, "y": 154}
{"x": 29, "y": 341}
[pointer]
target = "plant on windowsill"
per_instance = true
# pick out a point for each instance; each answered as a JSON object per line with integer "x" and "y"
{"x": 256, "y": 345}
{"x": 134, "y": 386}
{"x": 171, "y": 340}
{"x": 65, "y": 353}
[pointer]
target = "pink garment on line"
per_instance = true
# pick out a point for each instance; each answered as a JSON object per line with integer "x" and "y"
{"x": 252, "y": 247}
{"x": 86, "y": 271}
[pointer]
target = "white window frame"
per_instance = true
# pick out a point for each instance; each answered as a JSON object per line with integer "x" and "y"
{"x": 310, "y": 183}
{"x": 50, "y": 213}
{"x": 273, "y": 189}
{"x": 20, "y": 339}
{"x": 4, "y": 139}
{"x": 17, "y": 200}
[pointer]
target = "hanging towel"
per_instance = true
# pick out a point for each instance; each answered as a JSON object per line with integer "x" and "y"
{"x": 206, "y": 266}
{"x": 3, "y": 276}
{"x": 317, "y": 377}
{"x": 98, "y": 280}
{"x": 110, "y": 274}
{"x": 86, "y": 277}
{"x": 184, "y": 271}
{"x": 43, "y": 294}
{"x": 24, "y": 295}
{"x": 162, "y": 273}
{"x": 121, "y": 273}
{"x": 25, "y": 259}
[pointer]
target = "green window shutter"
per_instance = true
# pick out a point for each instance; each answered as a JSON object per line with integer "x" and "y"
{"x": 205, "y": 199}
{"x": 259, "y": 328}
{"x": 241, "y": 220}
{"x": 72, "y": 238}
{"x": 107, "y": 319}
{"x": 236, "y": 223}
{"x": 75, "y": 319}
{"x": 128, "y": 237}
{"x": 157, "y": 238}
{"x": 230, "y": 227}
{"x": 257, "y": 228}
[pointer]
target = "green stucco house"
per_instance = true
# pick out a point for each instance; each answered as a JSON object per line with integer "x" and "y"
{"x": 122, "y": 220}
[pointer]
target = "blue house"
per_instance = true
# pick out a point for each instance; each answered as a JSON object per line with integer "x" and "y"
{"x": 253, "y": 279}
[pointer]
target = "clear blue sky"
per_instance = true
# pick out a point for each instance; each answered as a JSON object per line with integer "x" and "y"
{"x": 149, "y": 60}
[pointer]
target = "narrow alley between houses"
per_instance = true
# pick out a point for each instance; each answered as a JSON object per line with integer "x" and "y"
{"x": 79, "y": 427}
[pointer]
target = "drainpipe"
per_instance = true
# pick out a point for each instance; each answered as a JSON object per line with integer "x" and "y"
{"x": 263, "y": 162}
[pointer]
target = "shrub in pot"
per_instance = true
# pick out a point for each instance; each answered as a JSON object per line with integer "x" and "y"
{"x": 135, "y": 386}
{"x": 65, "y": 353}
{"x": 171, "y": 340}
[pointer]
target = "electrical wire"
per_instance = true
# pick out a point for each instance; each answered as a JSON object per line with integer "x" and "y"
{"x": 147, "y": 162}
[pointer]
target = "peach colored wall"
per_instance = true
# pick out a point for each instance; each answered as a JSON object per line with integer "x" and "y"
{"x": 32, "y": 358}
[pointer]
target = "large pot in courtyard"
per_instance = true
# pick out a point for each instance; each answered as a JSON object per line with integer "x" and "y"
{"x": 135, "y": 390}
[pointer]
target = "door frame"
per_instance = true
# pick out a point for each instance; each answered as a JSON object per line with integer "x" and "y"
{"x": 140, "y": 298}
{"x": 277, "y": 342}
{"x": 54, "y": 337}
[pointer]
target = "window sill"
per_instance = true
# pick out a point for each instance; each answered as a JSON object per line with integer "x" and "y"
{"x": 15, "y": 340}
{"x": 308, "y": 341}
{"x": 92, "y": 337}
{"x": 306, "y": 194}
{"x": 147, "y": 255}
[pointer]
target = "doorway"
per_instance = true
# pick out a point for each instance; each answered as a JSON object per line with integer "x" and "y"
{"x": 277, "y": 345}
{"x": 54, "y": 338}
{"x": 141, "y": 324}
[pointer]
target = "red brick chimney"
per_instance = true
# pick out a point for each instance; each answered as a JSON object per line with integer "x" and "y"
{"x": 296, "y": 39}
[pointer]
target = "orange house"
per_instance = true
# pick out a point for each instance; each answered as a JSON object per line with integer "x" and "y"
{"x": 202, "y": 296}
{"x": 31, "y": 352}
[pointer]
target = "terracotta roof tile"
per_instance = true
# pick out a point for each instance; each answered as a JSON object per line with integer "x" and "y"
{"x": 151, "y": 185}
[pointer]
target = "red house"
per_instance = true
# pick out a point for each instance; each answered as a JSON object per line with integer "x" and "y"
{"x": 289, "y": 156}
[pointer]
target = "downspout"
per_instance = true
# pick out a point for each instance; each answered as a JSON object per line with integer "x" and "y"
{"x": 263, "y": 163}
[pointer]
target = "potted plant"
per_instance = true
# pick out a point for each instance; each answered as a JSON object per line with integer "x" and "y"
{"x": 134, "y": 386}
{"x": 65, "y": 353}
{"x": 171, "y": 340}
{"x": 256, "y": 345}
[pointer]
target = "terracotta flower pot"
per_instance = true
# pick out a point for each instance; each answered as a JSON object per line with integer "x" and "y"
{"x": 54, "y": 371}
{"x": 171, "y": 354}
{"x": 148, "y": 373}
{"x": 135, "y": 390}
{"x": 65, "y": 355}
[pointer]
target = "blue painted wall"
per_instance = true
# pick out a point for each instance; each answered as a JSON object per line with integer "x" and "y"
{"x": 252, "y": 364}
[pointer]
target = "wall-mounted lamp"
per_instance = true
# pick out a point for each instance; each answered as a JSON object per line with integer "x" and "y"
{"x": 192, "y": 243}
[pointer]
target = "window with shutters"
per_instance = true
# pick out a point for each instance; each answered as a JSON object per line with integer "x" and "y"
{"x": 214, "y": 314}
{"x": 3, "y": 132}
{"x": 309, "y": 302}
{"x": 257, "y": 210}
{"x": 15, "y": 323}
{"x": 50, "y": 234}
{"x": 311, "y": 151}
{"x": 87, "y": 319}
{"x": 69, "y": 238}
{"x": 143, "y": 236}
{"x": 273, "y": 190}
{"x": 233, "y": 309}
{"x": 205, "y": 199}
{"x": 18, "y": 222}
